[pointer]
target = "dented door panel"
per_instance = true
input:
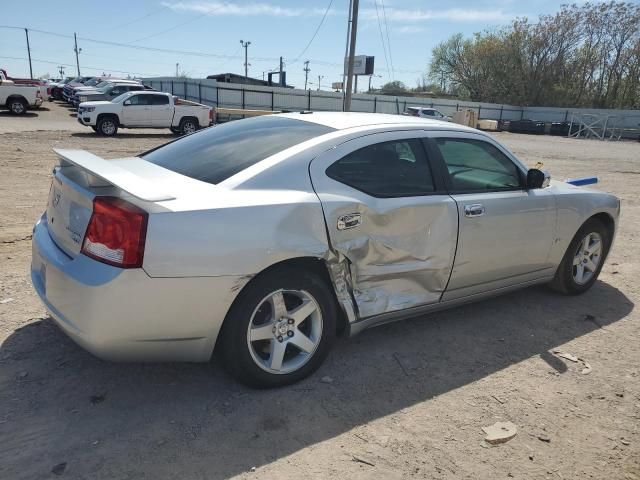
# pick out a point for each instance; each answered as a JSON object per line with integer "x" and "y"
{"x": 399, "y": 251}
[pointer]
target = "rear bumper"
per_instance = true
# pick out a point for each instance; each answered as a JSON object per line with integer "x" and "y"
{"x": 125, "y": 315}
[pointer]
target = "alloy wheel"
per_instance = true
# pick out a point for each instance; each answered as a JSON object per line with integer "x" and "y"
{"x": 587, "y": 258}
{"x": 285, "y": 331}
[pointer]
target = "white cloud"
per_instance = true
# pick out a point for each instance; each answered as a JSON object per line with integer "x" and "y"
{"x": 244, "y": 10}
{"x": 452, "y": 14}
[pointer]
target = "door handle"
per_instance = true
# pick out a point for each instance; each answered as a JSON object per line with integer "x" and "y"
{"x": 351, "y": 220}
{"x": 475, "y": 210}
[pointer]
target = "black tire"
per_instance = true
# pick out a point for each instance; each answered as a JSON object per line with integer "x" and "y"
{"x": 233, "y": 346}
{"x": 564, "y": 281}
{"x": 107, "y": 126}
{"x": 188, "y": 126}
{"x": 17, "y": 106}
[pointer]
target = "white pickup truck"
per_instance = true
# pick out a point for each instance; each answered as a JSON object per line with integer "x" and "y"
{"x": 144, "y": 110}
{"x": 18, "y": 98}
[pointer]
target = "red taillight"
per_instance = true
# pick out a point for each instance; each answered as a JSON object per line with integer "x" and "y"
{"x": 116, "y": 233}
{"x": 211, "y": 114}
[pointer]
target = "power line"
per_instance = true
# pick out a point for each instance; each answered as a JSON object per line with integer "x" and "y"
{"x": 384, "y": 48}
{"x": 185, "y": 52}
{"x": 172, "y": 28}
{"x": 136, "y": 20}
{"x": 386, "y": 26}
{"x": 58, "y": 64}
{"x": 315, "y": 33}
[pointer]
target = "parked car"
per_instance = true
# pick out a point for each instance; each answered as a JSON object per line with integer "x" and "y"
{"x": 109, "y": 91}
{"x": 19, "y": 98}
{"x": 67, "y": 90}
{"x": 425, "y": 112}
{"x": 56, "y": 89}
{"x": 144, "y": 110}
{"x": 265, "y": 237}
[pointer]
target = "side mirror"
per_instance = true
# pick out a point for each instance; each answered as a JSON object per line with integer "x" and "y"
{"x": 537, "y": 179}
{"x": 127, "y": 102}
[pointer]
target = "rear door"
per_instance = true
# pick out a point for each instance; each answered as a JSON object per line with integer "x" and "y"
{"x": 136, "y": 111}
{"x": 390, "y": 217}
{"x": 161, "y": 111}
{"x": 506, "y": 231}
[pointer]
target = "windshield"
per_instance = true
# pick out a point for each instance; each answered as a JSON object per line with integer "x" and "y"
{"x": 92, "y": 82}
{"x": 217, "y": 153}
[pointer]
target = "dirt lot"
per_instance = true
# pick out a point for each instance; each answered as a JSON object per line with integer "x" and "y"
{"x": 407, "y": 400}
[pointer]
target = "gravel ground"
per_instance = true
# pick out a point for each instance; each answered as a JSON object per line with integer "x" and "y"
{"x": 406, "y": 400}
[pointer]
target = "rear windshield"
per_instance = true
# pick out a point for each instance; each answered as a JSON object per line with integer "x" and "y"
{"x": 217, "y": 153}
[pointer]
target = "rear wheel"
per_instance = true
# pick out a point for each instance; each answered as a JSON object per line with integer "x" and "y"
{"x": 107, "y": 126}
{"x": 188, "y": 125}
{"x": 17, "y": 106}
{"x": 583, "y": 260}
{"x": 279, "y": 330}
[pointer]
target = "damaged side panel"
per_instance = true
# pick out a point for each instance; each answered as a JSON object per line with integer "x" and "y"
{"x": 401, "y": 254}
{"x": 390, "y": 253}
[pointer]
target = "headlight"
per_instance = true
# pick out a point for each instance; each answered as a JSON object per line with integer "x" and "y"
{"x": 89, "y": 109}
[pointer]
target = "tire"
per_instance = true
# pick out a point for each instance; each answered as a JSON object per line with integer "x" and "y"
{"x": 107, "y": 126}
{"x": 252, "y": 359}
{"x": 17, "y": 106}
{"x": 568, "y": 279}
{"x": 174, "y": 130}
{"x": 188, "y": 126}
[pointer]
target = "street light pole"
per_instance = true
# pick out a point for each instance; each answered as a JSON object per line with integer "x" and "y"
{"x": 245, "y": 45}
{"x": 306, "y": 73}
{"x": 320, "y": 77}
{"x": 75, "y": 41}
{"x": 352, "y": 52}
{"x": 26, "y": 32}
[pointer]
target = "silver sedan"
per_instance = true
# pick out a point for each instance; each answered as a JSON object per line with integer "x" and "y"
{"x": 262, "y": 239}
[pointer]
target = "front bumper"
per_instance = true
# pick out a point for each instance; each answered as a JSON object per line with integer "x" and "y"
{"x": 125, "y": 315}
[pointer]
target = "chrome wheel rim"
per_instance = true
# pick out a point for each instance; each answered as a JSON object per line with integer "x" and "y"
{"x": 189, "y": 127}
{"x": 17, "y": 107}
{"x": 285, "y": 331}
{"x": 108, "y": 127}
{"x": 587, "y": 258}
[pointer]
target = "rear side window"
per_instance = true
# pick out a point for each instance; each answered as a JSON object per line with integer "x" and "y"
{"x": 159, "y": 100}
{"x": 219, "y": 152}
{"x": 390, "y": 169}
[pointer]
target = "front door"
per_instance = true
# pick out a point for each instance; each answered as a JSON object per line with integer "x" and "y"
{"x": 506, "y": 231}
{"x": 390, "y": 217}
{"x": 135, "y": 111}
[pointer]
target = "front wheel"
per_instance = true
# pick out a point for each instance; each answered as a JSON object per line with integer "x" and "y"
{"x": 279, "y": 329}
{"x": 583, "y": 260}
{"x": 107, "y": 126}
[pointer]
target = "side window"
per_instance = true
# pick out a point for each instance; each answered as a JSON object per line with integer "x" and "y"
{"x": 429, "y": 113}
{"x": 134, "y": 88}
{"x": 391, "y": 169}
{"x": 475, "y": 165}
{"x": 159, "y": 99}
{"x": 138, "y": 100}
{"x": 115, "y": 91}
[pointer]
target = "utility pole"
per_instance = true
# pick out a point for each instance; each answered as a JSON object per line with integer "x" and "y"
{"x": 61, "y": 70}
{"x": 346, "y": 53}
{"x": 352, "y": 52}
{"x": 306, "y": 73}
{"x": 26, "y": 32}
{"x": 320, "y": 77}
{"x": 281, "y": 68}
{"x": 245, "y": 45}
{"x": 177, "y": 65}
{"x": 77, "y": 50}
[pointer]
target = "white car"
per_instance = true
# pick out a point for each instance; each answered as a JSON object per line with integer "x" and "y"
{"x": 19, "y": 98}
{"x": 424, "y": 112}
{"x": 145, "y": 110}
{"x": 267, "y": 236}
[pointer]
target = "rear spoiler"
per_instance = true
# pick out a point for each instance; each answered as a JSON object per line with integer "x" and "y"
{"x": 111, "y": 172}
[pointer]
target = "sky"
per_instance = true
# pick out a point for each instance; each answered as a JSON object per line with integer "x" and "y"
{"x": 146, "y": 38}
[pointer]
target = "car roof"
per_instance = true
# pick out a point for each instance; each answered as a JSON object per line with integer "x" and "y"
{"x": 344, "y": 120}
